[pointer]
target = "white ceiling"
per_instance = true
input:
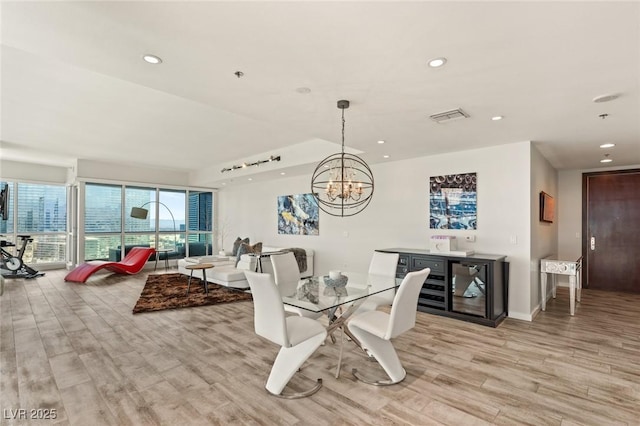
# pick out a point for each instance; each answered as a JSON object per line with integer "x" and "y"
{"x": 74, "y": 85}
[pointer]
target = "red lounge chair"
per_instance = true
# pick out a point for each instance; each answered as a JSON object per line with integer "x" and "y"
{"x": 132, "y": 263}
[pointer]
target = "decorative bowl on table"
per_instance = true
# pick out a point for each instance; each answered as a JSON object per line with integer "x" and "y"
{"x": 341, "y": 281}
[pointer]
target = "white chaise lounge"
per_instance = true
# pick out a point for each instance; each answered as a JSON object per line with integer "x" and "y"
{"x": 227, "y": 274}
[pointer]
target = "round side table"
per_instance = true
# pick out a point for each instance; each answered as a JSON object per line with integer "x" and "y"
{"x": 199, "y": 267}
{"x": 166, "y": 258}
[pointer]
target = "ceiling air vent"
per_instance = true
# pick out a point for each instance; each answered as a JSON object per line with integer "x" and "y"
{"x": 454, "y": 114}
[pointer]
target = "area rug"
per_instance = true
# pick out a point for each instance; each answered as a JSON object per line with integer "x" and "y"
{"x": 169, "y": 291}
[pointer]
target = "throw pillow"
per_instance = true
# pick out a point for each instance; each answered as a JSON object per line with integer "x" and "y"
{"x": 246, "y": 248}
{"x": 236, "y": 245}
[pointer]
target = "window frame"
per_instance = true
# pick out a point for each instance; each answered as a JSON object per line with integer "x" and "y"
{"x": 183, "y": 236}
{"x": 14, "y": 232}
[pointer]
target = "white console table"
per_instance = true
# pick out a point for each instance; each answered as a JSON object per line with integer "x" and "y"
{"x": 555, "y": 266}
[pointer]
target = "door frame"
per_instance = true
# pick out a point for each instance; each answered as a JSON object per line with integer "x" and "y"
{"x": 585, "y": 218}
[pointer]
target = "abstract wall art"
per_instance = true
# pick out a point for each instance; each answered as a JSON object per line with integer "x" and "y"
{"x": 453, "y": 201}
{"x": 298, "y": 215}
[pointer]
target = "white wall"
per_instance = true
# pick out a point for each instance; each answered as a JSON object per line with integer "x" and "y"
{"x": 570, "y": 214}
{"x": 544, "y": 235}
{"x": 29, "y": 172}
{"x": 88, "y": 169}
{"x": 398, "y": 215}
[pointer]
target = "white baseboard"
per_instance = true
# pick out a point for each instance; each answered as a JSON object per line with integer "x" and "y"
{"x": 521, "y": 316}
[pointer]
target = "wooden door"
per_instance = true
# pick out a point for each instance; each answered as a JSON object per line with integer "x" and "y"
{"x": 611, "y": 220}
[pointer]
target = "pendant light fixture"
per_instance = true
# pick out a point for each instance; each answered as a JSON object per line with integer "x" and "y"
{"x": 342, "y": 184}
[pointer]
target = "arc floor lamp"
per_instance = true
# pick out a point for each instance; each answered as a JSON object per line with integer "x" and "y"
{"x": 142, "y": 213}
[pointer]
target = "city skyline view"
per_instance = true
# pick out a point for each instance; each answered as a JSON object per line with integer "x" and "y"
{"x": 41, "y": 211}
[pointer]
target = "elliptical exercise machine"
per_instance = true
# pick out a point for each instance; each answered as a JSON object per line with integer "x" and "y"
{"x": 13, "y": 266}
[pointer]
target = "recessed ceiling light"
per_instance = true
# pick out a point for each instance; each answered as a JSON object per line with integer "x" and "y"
{"x": 606, "y": 159}
{"x": 303, "y": 90}
{"x": 380, "y": 142}
{"x": 250, "y": 179}
{"x": 497, "y": 117}
{"x": 605, "y": 98}
{"x": 385, "y": 156}
{"x": 437, "y": 62}
{"x": 607, "y": 145}
{"x": 282, "y": 173}
{"x": 152, "y": 59}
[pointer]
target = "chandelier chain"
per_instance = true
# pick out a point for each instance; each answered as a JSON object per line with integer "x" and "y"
{"x": 342, "y": 183}
{"x": 343, "y": 121}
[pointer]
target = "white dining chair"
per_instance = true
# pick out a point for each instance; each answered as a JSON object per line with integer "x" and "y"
{"x": 384, "y": 265}
{"x": 298, "y": 337}
{"x": 287, "y": 276}
{"x": 381, "y": 265}
{"x": 375, "y": 329}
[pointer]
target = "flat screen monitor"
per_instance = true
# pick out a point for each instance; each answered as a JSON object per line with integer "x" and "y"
{"x": 4, "y": 202}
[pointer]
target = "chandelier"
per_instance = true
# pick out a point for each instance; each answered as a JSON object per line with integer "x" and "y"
{"x": 342, "y": 184}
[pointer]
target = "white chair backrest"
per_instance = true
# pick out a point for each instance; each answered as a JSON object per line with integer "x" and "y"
{"x": 405, "y": 304}
{"x": 268, "y": 319}
{"x": 286, "y": 273}
{"x": 384, "y": 264}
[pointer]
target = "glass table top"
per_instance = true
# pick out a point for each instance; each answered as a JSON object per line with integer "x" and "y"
{"x": 314, "y": 294}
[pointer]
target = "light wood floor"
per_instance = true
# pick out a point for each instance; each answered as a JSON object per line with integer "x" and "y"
{"x": 79, "y": 350}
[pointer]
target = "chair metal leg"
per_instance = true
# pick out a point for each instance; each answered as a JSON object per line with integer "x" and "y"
{"x": 287, "y": 363}
{"x": 376, "y": 382}
{"x": 297, "y": 395}
{"x": 384, "y": 353}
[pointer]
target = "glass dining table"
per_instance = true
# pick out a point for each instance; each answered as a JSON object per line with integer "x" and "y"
{"x": 318, "y": 294}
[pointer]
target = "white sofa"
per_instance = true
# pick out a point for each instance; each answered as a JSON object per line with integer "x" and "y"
{"x": 227, "y": 274}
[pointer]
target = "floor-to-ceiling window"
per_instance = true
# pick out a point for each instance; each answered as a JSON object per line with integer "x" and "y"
{"x": 200, "y": 230}
{"x": 159, "y": 221}
{"x": 139, "y": 230}
{"x": 102, "y": 220}
{"x": 39, "y": 211}
{"x": 128, "y": 215}
{"x": 171, "y": 217}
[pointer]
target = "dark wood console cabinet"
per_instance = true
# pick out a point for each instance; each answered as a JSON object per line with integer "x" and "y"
{"x": 470, "y": 288}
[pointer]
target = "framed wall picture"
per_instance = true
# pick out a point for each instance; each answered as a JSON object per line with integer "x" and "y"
{"x": 298, "y": 215}
{"x": 453, "y": 201}
{"x": 547, "y": 207}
